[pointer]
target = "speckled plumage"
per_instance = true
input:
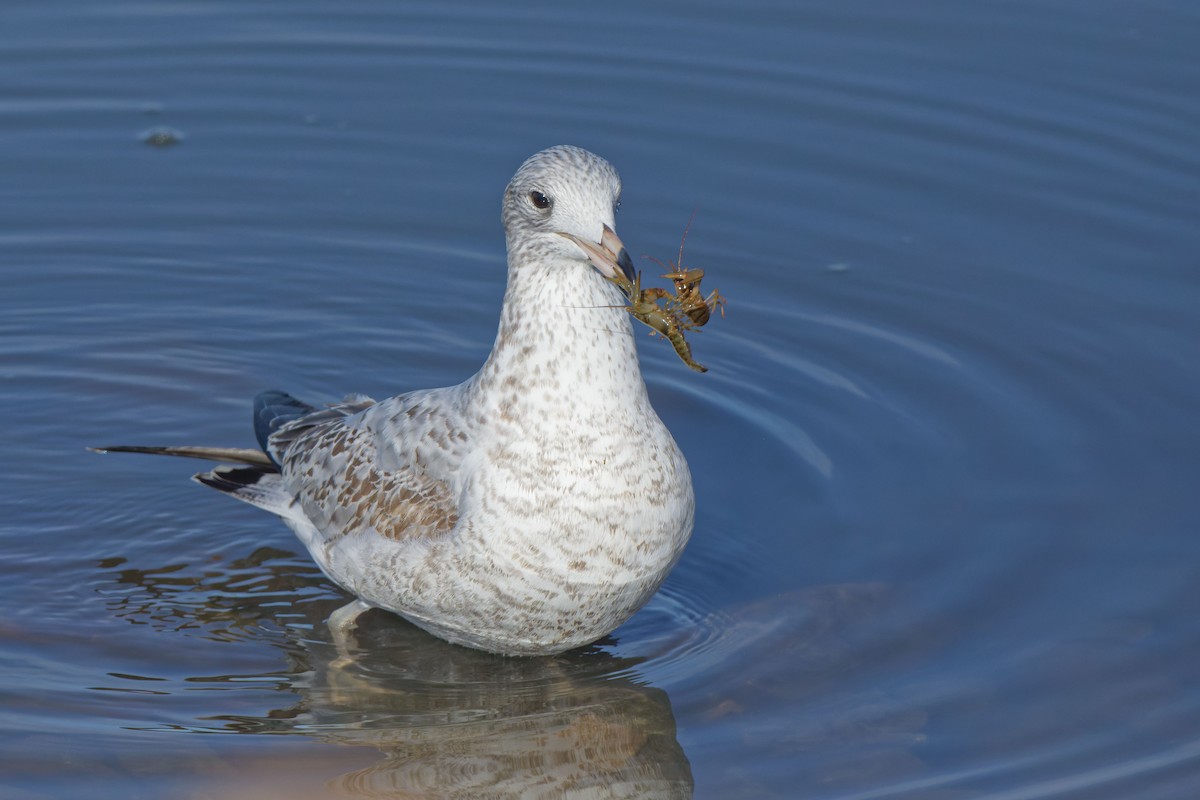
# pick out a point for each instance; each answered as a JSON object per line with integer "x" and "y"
{"x": 532, "y": 508}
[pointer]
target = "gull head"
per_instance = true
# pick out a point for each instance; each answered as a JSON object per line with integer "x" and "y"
{"x": 562, "y": 204}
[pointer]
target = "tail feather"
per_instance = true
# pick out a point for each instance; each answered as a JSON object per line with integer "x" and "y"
{"x": 258, "y": 486}
{"x": 235, "y": 455}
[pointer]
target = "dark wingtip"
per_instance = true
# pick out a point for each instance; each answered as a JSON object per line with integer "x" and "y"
{"x": 214, "y": 481}
{"x": 125, "y": 448}
{"x": 236, "y": 455}
{"x": 230, "y": 479}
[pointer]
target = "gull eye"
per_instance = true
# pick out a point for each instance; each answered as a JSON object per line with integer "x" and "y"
{"x": 539, "y": 200}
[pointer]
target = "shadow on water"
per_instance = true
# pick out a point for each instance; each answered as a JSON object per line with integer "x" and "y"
{"x": 447, "y": 720}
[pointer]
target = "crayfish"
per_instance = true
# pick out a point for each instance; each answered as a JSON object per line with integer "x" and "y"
{"x": 670, "y": 315}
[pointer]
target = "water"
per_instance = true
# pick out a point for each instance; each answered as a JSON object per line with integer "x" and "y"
{"x": 946, "y": 457}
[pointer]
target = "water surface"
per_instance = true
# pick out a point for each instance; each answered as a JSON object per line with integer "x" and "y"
{"x": 946, "y": 458}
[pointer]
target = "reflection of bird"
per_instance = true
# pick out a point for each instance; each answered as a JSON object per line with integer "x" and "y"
{"x": 420, "y": 717}
{"x": 455, "y": 723}
{"x": 529, "y": 510}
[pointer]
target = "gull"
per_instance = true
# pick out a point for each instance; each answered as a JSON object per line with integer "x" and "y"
{"x": 532, "y": 508}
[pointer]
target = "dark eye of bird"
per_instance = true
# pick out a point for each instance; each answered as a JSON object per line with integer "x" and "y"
{"x": 539, "y": 200}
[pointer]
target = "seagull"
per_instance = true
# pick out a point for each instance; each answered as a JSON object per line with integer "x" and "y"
{"x": 531, "y": 509}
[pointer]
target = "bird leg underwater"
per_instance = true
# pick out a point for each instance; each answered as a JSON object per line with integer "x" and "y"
{"x": 342, "y": 624}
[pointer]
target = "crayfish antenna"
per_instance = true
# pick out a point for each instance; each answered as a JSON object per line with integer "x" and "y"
{"x": 683, "y": 239}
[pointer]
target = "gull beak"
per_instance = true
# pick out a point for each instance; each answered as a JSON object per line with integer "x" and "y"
{"x": 609, "y": 257}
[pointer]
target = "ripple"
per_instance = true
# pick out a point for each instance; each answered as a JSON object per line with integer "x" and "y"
{"x": 1089, "y": 779}
{"x": 219, "y": 600}
{"x": 944, "y": 492}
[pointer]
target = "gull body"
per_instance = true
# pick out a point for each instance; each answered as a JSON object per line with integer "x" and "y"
{"x": 529, "y": 510}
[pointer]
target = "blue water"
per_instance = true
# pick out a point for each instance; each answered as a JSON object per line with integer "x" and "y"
{"x": 946, "y": 458}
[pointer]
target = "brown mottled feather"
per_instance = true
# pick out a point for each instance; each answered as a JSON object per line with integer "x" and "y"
{"x": 333, "y": 469}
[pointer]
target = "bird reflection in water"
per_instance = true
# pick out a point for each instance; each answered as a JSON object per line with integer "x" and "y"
{"x": 448, "y": 720}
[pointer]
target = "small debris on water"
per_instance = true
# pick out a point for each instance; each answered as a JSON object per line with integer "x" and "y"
{"x": 161, "y": 136}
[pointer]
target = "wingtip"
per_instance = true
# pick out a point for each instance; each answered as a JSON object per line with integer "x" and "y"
{"x": 230, "y": 479}
{"x": 212, "y": 481}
